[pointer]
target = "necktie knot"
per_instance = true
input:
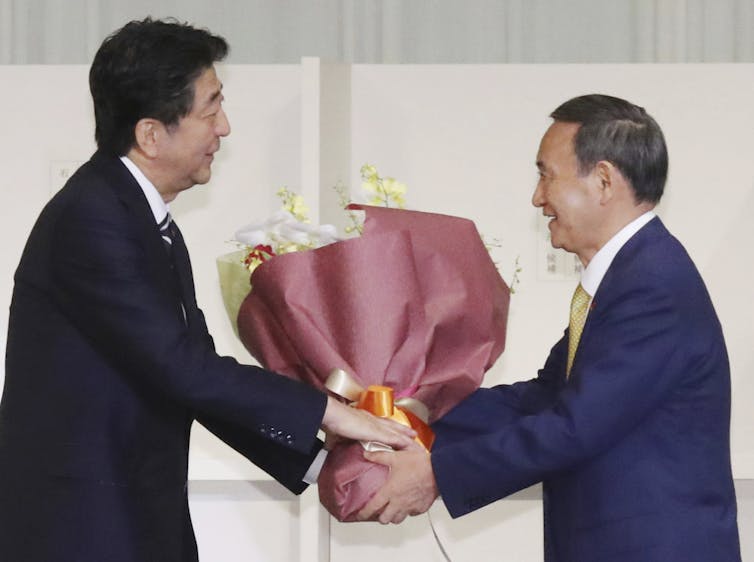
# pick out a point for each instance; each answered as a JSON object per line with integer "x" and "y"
{"x": 579, "y": 309}
{"x": 167, "y": 231}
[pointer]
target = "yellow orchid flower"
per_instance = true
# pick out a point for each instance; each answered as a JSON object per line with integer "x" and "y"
{"x": 369, "y": 173}
{"x": 395, "y": 191}
{"x": 294, "y": 204}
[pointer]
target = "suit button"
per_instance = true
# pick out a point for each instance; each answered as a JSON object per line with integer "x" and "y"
{"x": 279, "y": 434}
{"x": 289, "y": 439}
{"x": 263, "y": 428}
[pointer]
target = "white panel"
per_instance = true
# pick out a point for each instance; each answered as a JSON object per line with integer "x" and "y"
{"x": 334, "y": 140}
{"x": 311, "y": 96}
{"x": 244, "y": 521}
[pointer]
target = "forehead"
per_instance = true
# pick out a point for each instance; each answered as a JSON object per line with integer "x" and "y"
{"x": 557, "y": 142}
{"x": 206, "y": 88}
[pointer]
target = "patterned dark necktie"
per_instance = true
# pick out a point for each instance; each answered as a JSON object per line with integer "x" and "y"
{"x": 167, "y": 231}
{"x": 172, "y": 242}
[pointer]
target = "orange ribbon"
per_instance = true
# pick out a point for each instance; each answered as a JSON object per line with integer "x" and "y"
{"x": 378, "y": 400}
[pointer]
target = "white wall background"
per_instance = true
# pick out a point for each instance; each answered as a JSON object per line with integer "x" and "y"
{"x": 464, "y": 138}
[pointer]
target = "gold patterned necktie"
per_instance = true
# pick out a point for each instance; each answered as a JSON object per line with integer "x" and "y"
{"x": 579, "y": 304}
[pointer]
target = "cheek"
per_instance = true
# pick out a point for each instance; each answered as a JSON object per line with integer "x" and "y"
{"x": 573, "y": 205}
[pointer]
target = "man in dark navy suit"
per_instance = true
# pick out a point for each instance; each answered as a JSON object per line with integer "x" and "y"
{"x": 109, "y": 360}
{"x": 627, "y": 424}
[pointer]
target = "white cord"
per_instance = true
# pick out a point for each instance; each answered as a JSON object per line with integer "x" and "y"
{"x": 437, "y": 538}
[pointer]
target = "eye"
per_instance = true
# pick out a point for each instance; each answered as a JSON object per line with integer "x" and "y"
{"x": 215, "y": 108}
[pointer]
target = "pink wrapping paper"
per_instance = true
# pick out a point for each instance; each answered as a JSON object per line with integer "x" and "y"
{"x": 415, "y": 303}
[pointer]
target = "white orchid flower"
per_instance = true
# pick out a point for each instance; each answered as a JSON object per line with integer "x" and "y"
{"x": 289, "y": 233}
{"x": 284, "y": 230}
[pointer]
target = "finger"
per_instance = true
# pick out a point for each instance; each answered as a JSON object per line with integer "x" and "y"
{"x": 380, "y": 457}
{"x": 399, "y": 427}
{"x": 387, "y": 423}
{"x": 391, "y": 514}
{"x": 372, "y": 508}
{"x": 383, "y": 430}
{"x": 397, "y": 440}
{"x": 406, "y": 432}
{"x": 415, "y": 446}
{"x": 399, "y": 518}
{"x": 359, "y": 424}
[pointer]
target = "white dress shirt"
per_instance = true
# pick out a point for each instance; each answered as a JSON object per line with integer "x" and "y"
{"x": 592, "y": 276}
{"x": 158, "y": 206}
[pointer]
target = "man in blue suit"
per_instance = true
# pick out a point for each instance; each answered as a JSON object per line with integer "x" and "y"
{"x": 626, "y": 426}
{"x": 109, "y": 360}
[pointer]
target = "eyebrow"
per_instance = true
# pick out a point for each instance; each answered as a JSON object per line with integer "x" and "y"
{"x": 214, "y": 97}
{"x": 216, "y": 94}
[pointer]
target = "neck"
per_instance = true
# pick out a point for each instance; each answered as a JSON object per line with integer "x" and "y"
{"x": 147, "y": 167}
{"x": 613, "y": 225}
{"x": 630, "y": 215}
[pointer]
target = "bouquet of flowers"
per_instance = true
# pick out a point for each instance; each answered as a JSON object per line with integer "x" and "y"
{"x": 414, "y": 303}
{"x": 288, "y": 230}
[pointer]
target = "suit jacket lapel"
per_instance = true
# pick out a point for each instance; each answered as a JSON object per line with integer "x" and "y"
{"x": 625, "y": 256}
{"x": 614, "y": 275}
{"x": 176, "y": 281}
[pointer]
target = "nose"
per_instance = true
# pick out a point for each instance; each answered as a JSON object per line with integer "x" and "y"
{"x": 223, "y": 125}
{"x": 537, "y": 198}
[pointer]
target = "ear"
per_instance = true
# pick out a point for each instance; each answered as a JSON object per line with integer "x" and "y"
{"x": 147, "y": 133}
{"x": 605, "y": 175}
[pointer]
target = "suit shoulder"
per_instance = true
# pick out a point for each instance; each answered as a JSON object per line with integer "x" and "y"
{"x": 656, "y": 265}
{"x": 654, "y": 253}
{"x": 89, "y": 192}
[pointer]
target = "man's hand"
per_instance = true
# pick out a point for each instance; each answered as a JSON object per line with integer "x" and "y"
{"x": 410, "y": 489}
{"x": 352, "y": 423}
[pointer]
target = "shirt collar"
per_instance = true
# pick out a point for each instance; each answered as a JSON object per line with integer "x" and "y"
{"x": 158, "y": 206}
{"x": 599, "y": 264}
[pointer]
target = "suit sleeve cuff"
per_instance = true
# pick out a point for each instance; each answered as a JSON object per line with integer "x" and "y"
{"x": 312, "y": 474}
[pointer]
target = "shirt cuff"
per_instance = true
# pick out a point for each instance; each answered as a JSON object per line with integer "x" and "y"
{"x": 313, "y": 473}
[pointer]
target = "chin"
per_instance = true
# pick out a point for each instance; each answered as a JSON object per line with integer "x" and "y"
{"x": 556, "y": 241}
{"x": 202, "y": 178}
